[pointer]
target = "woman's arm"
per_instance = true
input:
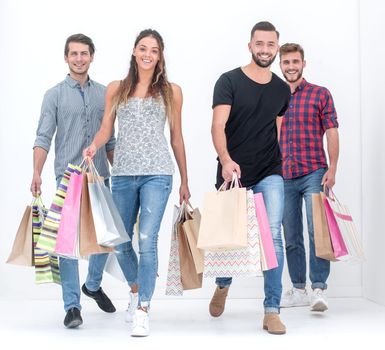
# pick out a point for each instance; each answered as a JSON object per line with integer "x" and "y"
{"x": 106, "y": 129}
{"x": 177, "y": 144}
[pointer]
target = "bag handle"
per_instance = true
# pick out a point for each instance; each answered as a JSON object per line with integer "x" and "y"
{"x": 234, "y": 183}
{"x": 90, "y": 166}
{"x": 330, "y": 194}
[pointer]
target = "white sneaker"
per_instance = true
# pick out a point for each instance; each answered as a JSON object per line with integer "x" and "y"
{"x": 132, "y": 306}
{"x": 141, "y": 324}
{"x": 295, "y": 297}
{"x": 318, "y": 300}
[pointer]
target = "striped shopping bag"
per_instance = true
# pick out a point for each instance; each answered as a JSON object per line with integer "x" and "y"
{"x": 49, "y": 230}
{"x": 46, "y": 266}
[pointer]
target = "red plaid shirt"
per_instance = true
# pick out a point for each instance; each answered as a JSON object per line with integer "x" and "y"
{"x": 310, "y": 113}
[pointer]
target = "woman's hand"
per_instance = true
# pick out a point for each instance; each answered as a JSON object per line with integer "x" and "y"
{"x": 184, "y": 193}
{"x": 90, "y": 151}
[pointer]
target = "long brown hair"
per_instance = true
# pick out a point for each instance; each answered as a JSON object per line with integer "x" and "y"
{"x": 159, "y": 87}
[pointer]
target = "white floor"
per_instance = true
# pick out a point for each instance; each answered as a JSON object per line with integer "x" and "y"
{"x": 185, "y": 324}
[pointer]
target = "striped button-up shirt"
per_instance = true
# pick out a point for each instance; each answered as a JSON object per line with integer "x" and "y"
{"x": 75, "y": 113}
{"x": 311, "y": 112}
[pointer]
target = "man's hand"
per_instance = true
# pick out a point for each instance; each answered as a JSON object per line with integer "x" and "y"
{"x": 329, "y": 179}
{"x": 36, "y": 185}
{"x": 228, "y": 168}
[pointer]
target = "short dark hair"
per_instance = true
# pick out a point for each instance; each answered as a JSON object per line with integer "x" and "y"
{"x": 291, "y": 47}
{"x": 264, "y": 26}
{"x": 79, "y": 38}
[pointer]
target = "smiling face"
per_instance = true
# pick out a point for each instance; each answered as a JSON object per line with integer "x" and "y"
{"x": 147, "y": 53}
{"x": 78, "y": 58}
{"x": 264, "y": 47}
{"x": 292, "y": 66}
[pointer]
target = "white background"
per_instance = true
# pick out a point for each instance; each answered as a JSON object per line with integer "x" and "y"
{"x": 203, "y": 39}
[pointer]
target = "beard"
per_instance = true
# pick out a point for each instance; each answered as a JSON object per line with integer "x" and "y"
{"x": 291, "y": 79}
{"x": 263, "y": 64}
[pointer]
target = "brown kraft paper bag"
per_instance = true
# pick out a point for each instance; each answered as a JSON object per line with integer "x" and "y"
{"x": 189, "y": 276}
{"x": 22, "y": 249}
{"x": 322, "y": 242}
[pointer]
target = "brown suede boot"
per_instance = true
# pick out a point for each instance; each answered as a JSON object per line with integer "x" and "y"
{"x": 217, "y": 303}
{"x": 272, "y": 323}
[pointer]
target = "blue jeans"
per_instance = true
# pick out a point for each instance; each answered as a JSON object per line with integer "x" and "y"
{"x": 149, "y": 193}
{"x": 295, "y": 191}
{"x": 273, "y": 195}
{"x": 69, "y": 274}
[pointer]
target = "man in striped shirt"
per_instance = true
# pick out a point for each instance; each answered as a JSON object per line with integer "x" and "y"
{"x": 74, "y": 110}
{"x": 310, "y": 115}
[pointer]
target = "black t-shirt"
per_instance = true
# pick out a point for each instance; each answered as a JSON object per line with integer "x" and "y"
{"x": 251, "y": 130}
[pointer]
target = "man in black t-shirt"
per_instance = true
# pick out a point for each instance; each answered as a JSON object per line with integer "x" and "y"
{"x": 248, "y": 106}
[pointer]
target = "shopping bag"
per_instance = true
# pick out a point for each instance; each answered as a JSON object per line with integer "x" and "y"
{"x": 46, "y": 265}
{"x": 268, "y": 255}
{"x": 224, "y": 222}
{"x": 109, "y": 227}
{"x": 67, "y": 236}
{"x": 190, "y": 225}
{"x": 22, "y": 249}
{"x": 346, "y": 227}
{"x": 190, "y": 278}
{"x": 245, "y": 262}
{"x": 174, "y": 282}
{"x": 322, "y": 242}
{"x": 339, "y": 247}
{"x": 47, "y": 237}
{"x": 113, "y": 268}
{"x": 87, "y": 234}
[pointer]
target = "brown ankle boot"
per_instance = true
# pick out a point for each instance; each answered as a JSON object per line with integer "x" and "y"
{"x": 272, "y": 323}
{"x": 217, "y": 303}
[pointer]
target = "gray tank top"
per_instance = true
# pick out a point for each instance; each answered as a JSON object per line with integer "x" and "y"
{"x": 141, "y": 147}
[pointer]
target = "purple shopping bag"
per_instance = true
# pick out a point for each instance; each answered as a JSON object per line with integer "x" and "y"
{"x": 67, "y": 238}
{"x": 268, "y": 255}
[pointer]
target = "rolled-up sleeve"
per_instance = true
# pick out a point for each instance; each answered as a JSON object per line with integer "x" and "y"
{"x": 47, "y": 122}
{"x": 328, "y": 111}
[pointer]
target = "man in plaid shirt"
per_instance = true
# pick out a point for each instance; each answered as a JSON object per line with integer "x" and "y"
{"x": 310, "y": 115}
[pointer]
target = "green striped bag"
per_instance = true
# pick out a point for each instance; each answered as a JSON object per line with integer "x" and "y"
{"x": 46, "y": 266}
{"x": 47, "y": 238}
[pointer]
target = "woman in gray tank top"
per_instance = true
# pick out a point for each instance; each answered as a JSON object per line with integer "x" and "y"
{"x": 143, "y": 167}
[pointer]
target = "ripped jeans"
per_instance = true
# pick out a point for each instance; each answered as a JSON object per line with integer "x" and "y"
{"x": 149, "y": 193}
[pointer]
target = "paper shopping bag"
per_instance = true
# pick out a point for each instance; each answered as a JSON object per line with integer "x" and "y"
{"x": 22, "y": 249}
{"x": 268, "y": 255}
{"x": 192, "y": 218}
{"x": 224, "y": 219}
{"x": 87, "y": 235}
{"x": 243, "y": 262}
{"x": 322, "y": 242}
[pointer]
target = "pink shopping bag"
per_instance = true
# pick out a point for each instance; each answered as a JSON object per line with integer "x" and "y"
{"x": 67, "y": 237}
{"x": 268, "y": 256}
{"x": 338, "y": 243}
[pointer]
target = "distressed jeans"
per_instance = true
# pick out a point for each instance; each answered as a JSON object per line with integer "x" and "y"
{"x": 150, "y": 195}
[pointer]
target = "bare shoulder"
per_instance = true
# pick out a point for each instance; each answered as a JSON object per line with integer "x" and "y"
{"x": 176, "y": 89}
{"x": 113, "y": 87}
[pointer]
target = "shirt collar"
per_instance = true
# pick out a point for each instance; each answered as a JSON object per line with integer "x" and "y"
{"x": 74, "y": 83}
{"x": 301, "y": 86}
